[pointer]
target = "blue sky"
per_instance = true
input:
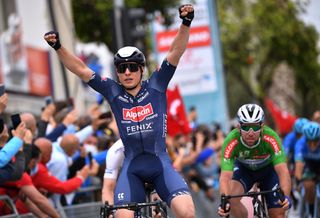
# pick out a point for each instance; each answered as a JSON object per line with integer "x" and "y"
{"x": 313, "y": 14}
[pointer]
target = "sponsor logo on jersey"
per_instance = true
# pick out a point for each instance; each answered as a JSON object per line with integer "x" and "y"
{"x": 145, "y": 127}
{"x": 120, "y": 196}
{"x": 263, "y": 156}
{"x": 229, "y": 148}
{"x": 165, "y": 128}
{"x": 137, "y": 114}
{"x": 273, "y": 142}
{"x": 145, "y": 94}
{"x": 121, "y": 98}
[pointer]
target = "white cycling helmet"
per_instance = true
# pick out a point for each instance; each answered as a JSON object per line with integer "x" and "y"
{"x": 250, "y": 113}
{"x": 129, "y": 54}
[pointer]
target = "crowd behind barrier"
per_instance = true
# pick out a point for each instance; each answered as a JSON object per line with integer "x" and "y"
{"x": 58, "y": 179}
{"x": 57, "y": 172}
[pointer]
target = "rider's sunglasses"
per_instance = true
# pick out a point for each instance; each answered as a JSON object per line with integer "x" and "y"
{"x": 133, "y": 67}
{"x": 314, "y": 140}
{"x": 246, "y": 128}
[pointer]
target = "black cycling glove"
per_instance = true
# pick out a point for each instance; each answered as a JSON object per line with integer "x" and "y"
{"x": 186, "y": 20}
{"x": 57, "y": 44}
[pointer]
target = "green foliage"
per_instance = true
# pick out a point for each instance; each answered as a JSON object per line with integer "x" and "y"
{"x": 259, "y": 35}
{"x": 256, "y": 36}
{"x": 93, "y": 18}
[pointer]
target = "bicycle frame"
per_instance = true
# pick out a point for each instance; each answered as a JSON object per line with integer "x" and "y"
{"x": 303, "y": 206}
{"x": 259, "y": 206}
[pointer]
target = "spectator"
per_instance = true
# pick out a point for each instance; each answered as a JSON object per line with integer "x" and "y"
{"x": 192, "y": 117}
{"x": 61, "y": 158}
{"x": 30, "y": 122}
{"x": 316, "y": 116}
{"x": 8, "y": 150}
{"x": 42, "y": 179}
{"x": 12, "y": 170}
{"x": 33, "y": 199}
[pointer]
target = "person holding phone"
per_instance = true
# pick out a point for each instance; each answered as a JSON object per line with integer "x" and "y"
{"x": 11, "y": 170}
{"x": 10, "y": 148}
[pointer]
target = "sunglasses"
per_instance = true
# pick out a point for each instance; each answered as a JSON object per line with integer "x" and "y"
{"x": 314, "y": 140}
{"x": 133, "y": 67}
{"x": 246, "y": 128}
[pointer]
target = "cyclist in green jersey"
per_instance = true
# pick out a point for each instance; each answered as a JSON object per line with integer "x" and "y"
{"x": 252, "y": 153}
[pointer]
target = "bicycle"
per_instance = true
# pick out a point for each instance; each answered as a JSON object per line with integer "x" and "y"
{"x": 260, "y": 209}
{"x": 303, "y": 206}
{"x": 161, "y": 208}
{"x": 141, "y": 210}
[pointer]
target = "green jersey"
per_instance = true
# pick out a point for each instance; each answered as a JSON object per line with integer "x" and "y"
{"x": 268, "y": 151}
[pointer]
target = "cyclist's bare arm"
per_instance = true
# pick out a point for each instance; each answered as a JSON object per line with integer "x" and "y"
{"x": 108, "y": 190}
{"x": 180, "y": 42}
{"x": 298, "y": 170}
{"x": 114, "y": 161}
{"x": 225, "y": 179}
{"x": 70, "y": 61}
{"x": 74, "y": 64}
{"x": 284, "y": 177}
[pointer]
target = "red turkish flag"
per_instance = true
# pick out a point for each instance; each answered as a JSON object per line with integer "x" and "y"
{"x": 177, "y": 121}
{"x": 284, "y": 120}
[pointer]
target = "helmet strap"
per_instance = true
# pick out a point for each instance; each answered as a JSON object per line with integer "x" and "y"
{"x": 141, "y": 68}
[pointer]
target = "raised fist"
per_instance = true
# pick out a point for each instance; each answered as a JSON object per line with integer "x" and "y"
{"x": 52, "y": 39}
{"x": 186, "y": 13}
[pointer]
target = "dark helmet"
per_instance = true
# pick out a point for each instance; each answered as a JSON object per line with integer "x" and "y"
{"x": 129, "y": 54}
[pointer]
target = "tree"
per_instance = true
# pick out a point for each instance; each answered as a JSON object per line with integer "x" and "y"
{"x": 93, "y": 17}
{"x": 259, "y": 35}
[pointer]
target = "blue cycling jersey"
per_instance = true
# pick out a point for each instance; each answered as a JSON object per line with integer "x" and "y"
{"x": 142, "y": 124}
{"x": 289, "y": 142}
{"x": 141, "y": 119}
{"x": 304, "y": 153}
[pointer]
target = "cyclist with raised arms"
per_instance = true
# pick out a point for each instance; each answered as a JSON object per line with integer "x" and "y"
{"x": 307, "y": 160}
{"x": 252, "y": 153}
{"x": 140, "y": 111}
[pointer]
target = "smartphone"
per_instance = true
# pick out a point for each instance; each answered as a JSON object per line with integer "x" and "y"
{"x": 1, "y": 125}
{"x": 2, "y": 89}
{"x": 48, "y": 100}
{"x": 90, "y": 158}
{"x": 16, "y": 120}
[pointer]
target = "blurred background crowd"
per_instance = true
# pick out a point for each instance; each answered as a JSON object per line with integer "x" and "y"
{"x": 266, "y": 52}
{"x": 46, "y": 160}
